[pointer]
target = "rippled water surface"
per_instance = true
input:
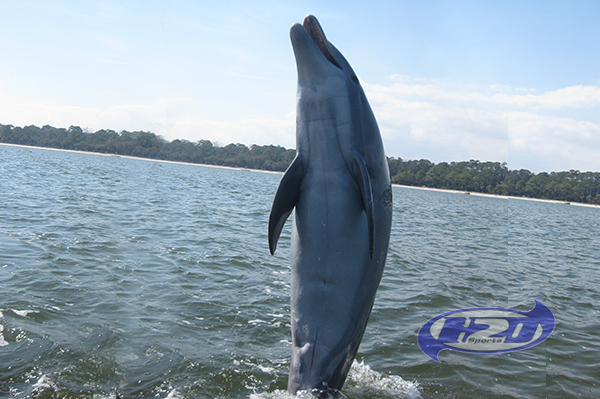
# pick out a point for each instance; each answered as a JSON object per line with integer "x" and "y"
{"x": 154, "y": 280}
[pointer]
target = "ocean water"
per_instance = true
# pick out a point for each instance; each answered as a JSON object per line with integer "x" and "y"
{"x": 154, "y": 280}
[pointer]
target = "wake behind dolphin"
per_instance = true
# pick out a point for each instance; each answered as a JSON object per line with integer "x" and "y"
{"x": 339, "y": 184}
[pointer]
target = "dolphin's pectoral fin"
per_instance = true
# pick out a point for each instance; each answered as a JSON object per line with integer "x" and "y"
{"x": 361, "y": 174}
{"x": 285, "y": 199}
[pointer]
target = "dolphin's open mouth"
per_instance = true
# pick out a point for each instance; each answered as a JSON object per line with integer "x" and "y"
{"x": 313, "y": 28}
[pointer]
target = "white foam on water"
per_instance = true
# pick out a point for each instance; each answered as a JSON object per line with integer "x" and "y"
{"x": 256, "y": 321}
{"x": 282, "y": 394}
{"x": 2, "y": 341}
{"x": 23, "y": 313}
{"x": 43, "y": 383}
{"x": 173, "y": 394}
{"x": 362, "y": 383}
{"x": 266, "y": 369}
{"x": 371, "y": 382}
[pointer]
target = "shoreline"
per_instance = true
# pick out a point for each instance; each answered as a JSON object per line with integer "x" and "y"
{"x": 277, "y": 172}
{"x": 444, "y": 190}
{"x": 141, "y": 158}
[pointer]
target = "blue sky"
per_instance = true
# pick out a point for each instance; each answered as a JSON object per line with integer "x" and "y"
{"x": 506, "y": 81}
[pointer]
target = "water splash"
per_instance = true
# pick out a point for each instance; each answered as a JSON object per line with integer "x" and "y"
{"x": 363, "y": 382}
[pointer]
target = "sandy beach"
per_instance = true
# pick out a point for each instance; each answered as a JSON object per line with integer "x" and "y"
{"x": 499, "y": 196}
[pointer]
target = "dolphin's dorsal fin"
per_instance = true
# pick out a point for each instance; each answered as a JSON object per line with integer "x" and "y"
{"x": 285, "y": 199}
{"x": 361, "y": 175}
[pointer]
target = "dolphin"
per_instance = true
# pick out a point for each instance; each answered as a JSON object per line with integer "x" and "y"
{"x": 339, "y": 185}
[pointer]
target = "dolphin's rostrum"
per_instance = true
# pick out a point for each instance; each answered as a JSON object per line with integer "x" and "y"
{"x": 339, "y": 184}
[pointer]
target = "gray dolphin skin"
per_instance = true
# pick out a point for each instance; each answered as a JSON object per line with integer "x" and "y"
{"x": 339, "y": 184}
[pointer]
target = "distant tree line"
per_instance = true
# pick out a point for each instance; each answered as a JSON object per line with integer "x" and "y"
{"x": 475, "y": 176}
{"x": 496, "y": 178}
{"x": 149, "y": 145}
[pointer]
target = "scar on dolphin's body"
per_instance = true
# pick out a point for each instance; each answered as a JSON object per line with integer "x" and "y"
{"x": 339, "y": 186}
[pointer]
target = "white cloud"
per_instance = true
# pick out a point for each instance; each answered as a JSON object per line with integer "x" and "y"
{"x": 421, "y": 119}
{"x": 570, "y": 143}
{"x": 260, "y": 131}
{"x": 582, "y": 97}
{"x": 573, "y": 97}
{"x": 172, "y": 118}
